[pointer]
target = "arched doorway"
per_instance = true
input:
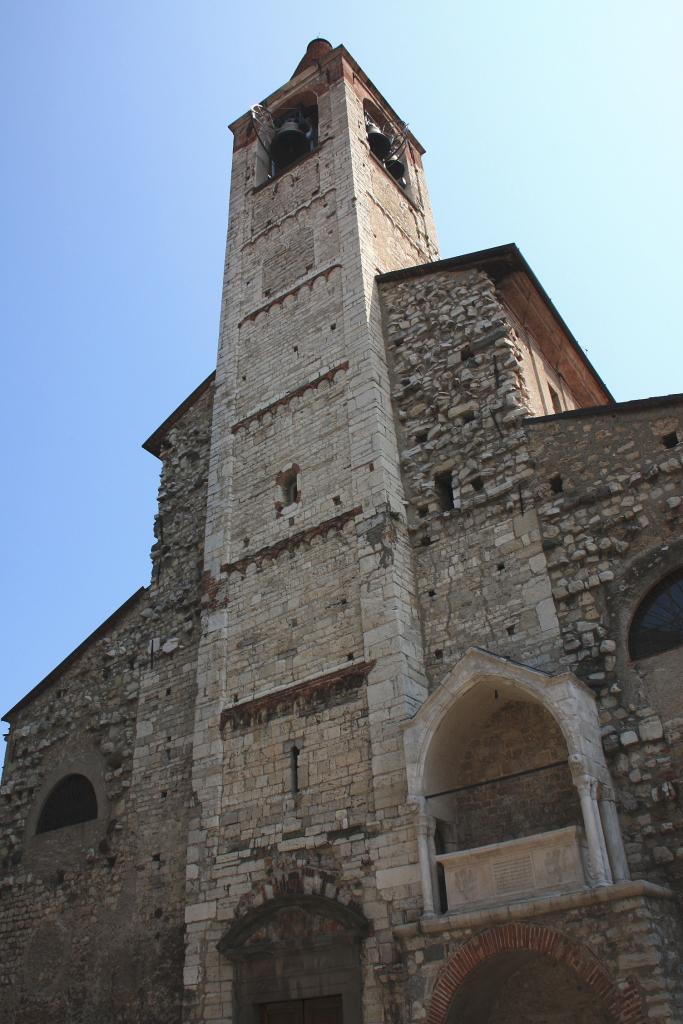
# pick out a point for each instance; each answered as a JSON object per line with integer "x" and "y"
{"x": 528, "y": 974}
{"x": 296, "y": 960}
{"x": 521, "y": 988}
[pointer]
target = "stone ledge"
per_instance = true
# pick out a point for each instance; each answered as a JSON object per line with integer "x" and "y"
{"x": 534, "y": 908}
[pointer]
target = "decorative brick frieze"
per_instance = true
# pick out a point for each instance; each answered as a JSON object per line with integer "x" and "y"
{"x": 292, "y": 214}
{"x": 302, "y": 698}
{"x": 279, "y": 299}
{"x": 284, "y": 400}
{"x": 273, "y": 551}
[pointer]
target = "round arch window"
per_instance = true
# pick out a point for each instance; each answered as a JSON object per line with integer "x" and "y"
{"x": 658, "y": 623}
{"x": 71, "y": 802}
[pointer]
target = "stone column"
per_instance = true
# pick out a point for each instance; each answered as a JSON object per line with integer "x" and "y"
{"x": 613, "y": 837}
{"x": 587, "y": 786}
{"x": 425, "y": 846}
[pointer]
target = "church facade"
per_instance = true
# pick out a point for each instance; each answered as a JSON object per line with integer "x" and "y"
{"x": 395, "y": 733}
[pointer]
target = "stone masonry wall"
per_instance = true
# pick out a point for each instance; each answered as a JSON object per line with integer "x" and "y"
{"x": 297, "y": 597}
{"x": 92, "y": 915}
{"x": 460, "y": 395}
{"x": 635, "y": 939}
{"x": 610, "y": 534}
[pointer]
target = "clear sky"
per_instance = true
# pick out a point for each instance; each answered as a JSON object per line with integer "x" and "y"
{"x": 554, "y": 125}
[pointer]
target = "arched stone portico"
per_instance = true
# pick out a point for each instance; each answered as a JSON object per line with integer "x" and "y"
{"x": 437, "y": 736}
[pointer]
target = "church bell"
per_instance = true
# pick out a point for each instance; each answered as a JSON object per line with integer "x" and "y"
{"x": 379, "y": 142}
{"x": 396, "y": 169}
{"x": 291, "y": 140}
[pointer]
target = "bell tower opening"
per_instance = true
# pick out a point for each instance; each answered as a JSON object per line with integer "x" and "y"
{"x": 295, "y": 135}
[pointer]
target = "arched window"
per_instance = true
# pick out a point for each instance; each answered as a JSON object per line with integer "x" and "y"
{"x": 658, "y": 624}
{"x": 71, "y": 801}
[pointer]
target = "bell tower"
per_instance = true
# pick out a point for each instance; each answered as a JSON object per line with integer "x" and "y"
{"x": 311, "y": 654}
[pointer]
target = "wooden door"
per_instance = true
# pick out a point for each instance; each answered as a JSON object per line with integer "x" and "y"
{"x": 327, "y": 1010}
{"x": 323, "y": 1011}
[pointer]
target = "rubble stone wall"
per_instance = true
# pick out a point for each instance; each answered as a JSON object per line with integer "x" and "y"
{"x": 92, "y": 921}
{"x": 610, "y": 534}
{"x": 460, "y": 395}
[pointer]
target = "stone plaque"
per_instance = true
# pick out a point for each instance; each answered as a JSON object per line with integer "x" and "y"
{"x": 513, "y": 875}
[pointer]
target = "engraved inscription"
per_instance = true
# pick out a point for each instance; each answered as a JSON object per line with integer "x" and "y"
{"x": 513, "y": 875}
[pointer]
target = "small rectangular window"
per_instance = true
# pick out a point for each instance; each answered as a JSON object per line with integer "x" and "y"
{"x": 443, "y": 485}
{"x": 555, "y": 399}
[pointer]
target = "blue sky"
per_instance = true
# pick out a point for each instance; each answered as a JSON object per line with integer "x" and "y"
{"x": 553, "y": 125}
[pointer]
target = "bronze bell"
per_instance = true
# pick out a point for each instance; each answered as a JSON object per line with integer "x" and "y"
{"x": 396, "y": 169}
{"x": 380, "y": 144}
{"x": 292, "y": 140}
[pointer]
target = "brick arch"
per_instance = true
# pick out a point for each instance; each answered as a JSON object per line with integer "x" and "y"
{"x": 622, "y": 1004}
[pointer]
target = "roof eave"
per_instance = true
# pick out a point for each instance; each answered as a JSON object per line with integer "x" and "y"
{"x": 497, "y": 262}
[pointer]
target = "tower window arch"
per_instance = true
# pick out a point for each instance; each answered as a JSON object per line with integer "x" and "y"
{"x": 658, "y": 623}
{"x": 70, "y": 802}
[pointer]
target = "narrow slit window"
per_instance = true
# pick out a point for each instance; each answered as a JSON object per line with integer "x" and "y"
{"x": 294, "y": 769}
{"x": 289, "y": 486}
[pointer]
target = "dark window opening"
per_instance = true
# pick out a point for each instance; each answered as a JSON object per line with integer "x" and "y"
{"x": 478, "y": 484}
{"x": 71, "y": 802}
{"x": 670, "y": 440}
{"x": 556, "y": 484}
{"x": 289, "y": 488}
{"x": 387, "y": 146}
{"x": 294, "y": 769}
{"x": 658, "y": 623}
{"x": 295, "y": 135}
{"x": 443, "y": 485}
{"x": 555, "y": 399}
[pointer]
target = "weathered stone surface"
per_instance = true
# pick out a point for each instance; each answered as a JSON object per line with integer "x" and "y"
{"x": 386, "y": 478}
